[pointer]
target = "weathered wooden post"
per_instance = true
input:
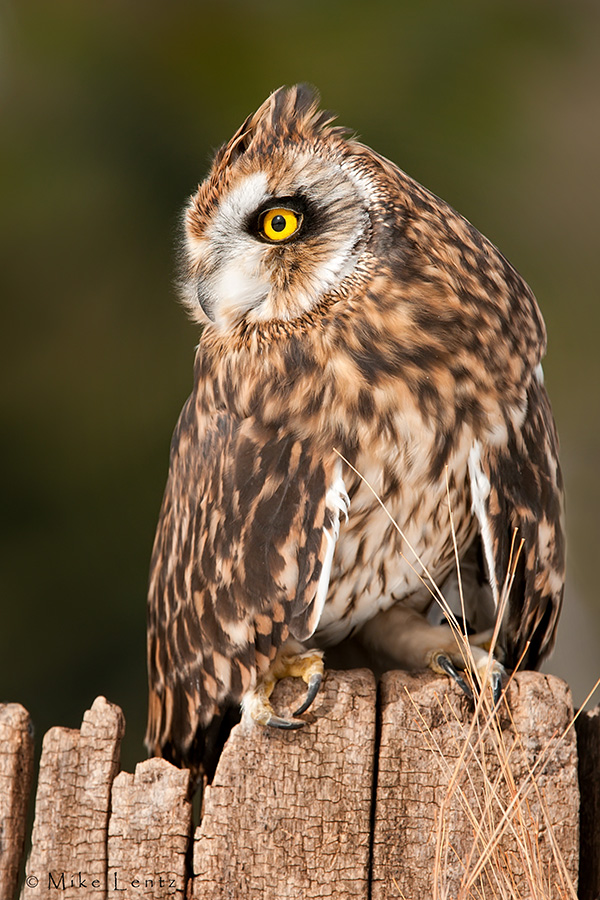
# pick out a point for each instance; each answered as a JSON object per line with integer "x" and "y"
{"x": 389, "y": 791}
{"x": 289, "y": 814}
{"x": 69, "y": 839}
{"x": 16, "y": 775}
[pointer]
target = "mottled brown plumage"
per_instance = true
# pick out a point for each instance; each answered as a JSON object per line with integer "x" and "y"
{"x": 385, "y": 328}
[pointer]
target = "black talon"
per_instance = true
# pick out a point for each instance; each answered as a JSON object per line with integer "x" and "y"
{"x": 289, "y": 724}
{"x": 496, "y": 687}
{"x": 314, "y": 684}
{"x": 448, "y": 666}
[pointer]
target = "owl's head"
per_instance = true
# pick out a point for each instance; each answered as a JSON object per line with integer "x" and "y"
{"x": 283, "y": 219}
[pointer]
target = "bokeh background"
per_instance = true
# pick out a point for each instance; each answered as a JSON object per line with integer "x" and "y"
{"x": 109, "y": 114}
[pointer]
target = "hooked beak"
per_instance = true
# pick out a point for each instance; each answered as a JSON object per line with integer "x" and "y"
{"x": 205, "y": 300}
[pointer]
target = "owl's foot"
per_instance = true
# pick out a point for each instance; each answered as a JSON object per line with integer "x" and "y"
{"x": 487, "y": 669}
{"x": 402, "y": 636}
{"x": 308, "y": 666}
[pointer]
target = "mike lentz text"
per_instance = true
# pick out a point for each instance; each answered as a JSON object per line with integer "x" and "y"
{"x": 114, "y": 882}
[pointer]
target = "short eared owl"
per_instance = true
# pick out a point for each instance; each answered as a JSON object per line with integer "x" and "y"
{"x": 354, "y": 325}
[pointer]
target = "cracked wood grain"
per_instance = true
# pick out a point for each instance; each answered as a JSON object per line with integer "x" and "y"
{"x": 424, "y": 725}
{"x": 16, "y": 774}
{"x": 288, "y": 814}
{"x": 149, "y": 831}
{"x": 68, "y": 843}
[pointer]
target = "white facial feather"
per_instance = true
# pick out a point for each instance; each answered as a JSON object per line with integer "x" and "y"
{"x": 238, "y": 285}
{"x": 230, "y": 259}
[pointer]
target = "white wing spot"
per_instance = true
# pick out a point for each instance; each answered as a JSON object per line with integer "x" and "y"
{"x": 338, "y": 503}
{"x": 480, "y": 491}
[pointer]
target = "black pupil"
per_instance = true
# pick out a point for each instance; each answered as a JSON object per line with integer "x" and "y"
{"x": 278, "y": 223}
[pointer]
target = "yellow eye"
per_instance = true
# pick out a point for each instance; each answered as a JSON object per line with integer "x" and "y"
{"x": 279, "y": 224}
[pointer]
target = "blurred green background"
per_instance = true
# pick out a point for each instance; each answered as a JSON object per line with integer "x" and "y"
{"x": 109, "y": 114}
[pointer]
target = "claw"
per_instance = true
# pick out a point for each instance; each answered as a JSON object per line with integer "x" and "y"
{"x": 497, "y": 687}
{"x": 446, "y": 664}
{"x": 314, "y": 684}
{"x": 288, "y": 724}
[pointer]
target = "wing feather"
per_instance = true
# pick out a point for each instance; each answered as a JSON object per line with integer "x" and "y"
{"x": 241, "y": 556}
{"x": 518, "y": 496}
